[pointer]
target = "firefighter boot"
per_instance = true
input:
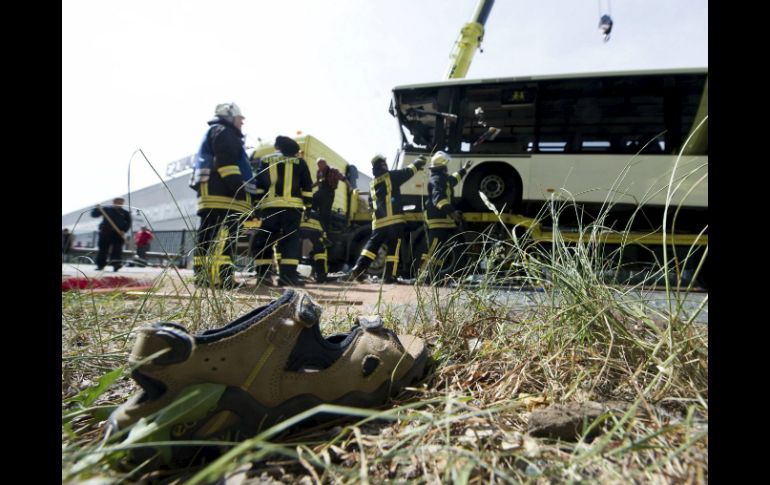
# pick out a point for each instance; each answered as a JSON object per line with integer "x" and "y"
{"x": 319, "y": 266}
{"x": 357, "y": 273}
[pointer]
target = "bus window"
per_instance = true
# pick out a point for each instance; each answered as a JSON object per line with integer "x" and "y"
{"x": 595, "y": 146}
{"x": 601, "y": 109}
{"x": 551, "y": 146}
{"x": 419, "y": 126}
{"x": 690, "y": 103}
{"x": 510, "y": 108}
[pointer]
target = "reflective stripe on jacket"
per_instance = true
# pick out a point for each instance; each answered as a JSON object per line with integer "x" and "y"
{"x": 221, "y": 179}
{"x": 283, "y": 182}
{"x": 440, "y": 195}
{"x": 385, "y": 194}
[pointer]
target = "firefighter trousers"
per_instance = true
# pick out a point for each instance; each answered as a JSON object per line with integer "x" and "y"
{"x": 280, "y": 227}
{"x": 432, "y": 261}
{"x": 214, "y": 263}
{"x": 319, "y": 254}
{"x": 391, "y": 236}
{"x": 110, "y": 242}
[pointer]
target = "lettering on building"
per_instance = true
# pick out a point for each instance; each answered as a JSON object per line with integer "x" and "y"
{"x": 181, "y": 165}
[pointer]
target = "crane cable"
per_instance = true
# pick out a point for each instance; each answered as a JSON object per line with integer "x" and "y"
{"x": 609, "y": 7}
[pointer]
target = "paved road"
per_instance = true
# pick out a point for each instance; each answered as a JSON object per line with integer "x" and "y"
{"x": 688, "y": 304}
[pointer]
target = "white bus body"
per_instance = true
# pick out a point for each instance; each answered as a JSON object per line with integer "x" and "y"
{"x": 595, "y": 138}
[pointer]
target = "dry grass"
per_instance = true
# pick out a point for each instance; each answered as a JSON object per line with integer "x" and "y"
{"x": 493, "y": 365}
{"x": 467, "y": 422}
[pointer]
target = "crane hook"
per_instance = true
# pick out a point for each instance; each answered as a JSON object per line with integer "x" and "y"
{"x": 605, "y": 25}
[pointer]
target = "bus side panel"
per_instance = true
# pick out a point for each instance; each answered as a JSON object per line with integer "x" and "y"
{"x": 618, "y": 178}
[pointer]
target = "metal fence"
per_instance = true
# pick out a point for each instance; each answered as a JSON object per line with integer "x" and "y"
{"x": 178, "y": 245}
{"x": 173, "y": 242}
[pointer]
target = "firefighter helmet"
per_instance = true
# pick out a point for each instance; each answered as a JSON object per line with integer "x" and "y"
{"x": 379, "y": 158}
{"x": 286, "y": 145}
{"x": 439, "y": 160}
{"x": 228, "y": 111}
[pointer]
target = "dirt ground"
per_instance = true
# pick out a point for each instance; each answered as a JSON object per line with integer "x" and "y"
{"x": 341, "y": 298}
{"x": 176, "y": 284}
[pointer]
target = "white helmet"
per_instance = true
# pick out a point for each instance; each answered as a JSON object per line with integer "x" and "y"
{"x": 228, "y": 111}
{"x": 440, "y": 159}
{"x": 379, "y": 158}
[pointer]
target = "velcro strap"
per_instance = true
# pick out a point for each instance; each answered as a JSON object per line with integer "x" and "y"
{"x": 174, "y": 339}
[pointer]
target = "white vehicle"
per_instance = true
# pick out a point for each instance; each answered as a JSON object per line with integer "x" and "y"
{"x": 595, "y": 138}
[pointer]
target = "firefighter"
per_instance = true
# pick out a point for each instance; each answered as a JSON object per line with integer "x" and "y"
{"x": 224, "y": 183}
{"x": 284, "y": 187}
{"x": 387, "y": 220}
{"x": 311, "y": 229}
{"x": 441, "y": 216}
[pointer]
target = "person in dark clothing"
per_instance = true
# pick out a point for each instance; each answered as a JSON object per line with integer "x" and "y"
{"x": 284, "y": 187}
{"x": 112, "y": 233}
{"x": 311, "y": 229}
{"x": 327, "y": 179}
{"x": 224, "y": 183}
{"x": 387, "y": 220}
{"x": 66, "y": 245}
{"x": 441, "y": 216}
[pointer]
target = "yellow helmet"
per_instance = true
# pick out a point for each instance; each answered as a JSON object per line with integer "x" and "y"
{"x": 439, "y": 159}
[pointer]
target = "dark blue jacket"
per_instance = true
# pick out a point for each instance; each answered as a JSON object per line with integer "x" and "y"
{"x": 118, "y": 215}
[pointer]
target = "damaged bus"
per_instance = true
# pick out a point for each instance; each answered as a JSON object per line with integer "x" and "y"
{"x": 607, "y": 139}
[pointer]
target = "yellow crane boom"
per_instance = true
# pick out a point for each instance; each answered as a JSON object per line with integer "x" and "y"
{"x": 470, "y": 39}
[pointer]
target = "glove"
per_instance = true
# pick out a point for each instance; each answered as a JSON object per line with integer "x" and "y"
{"x": 420, "y": 162}
{"x": 326, "y": 242}
{"x": 467, "y": 165}
{"x": 457, "y": 216}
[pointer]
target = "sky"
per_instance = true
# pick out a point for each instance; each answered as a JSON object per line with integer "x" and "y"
{"x": 146, "y": 75}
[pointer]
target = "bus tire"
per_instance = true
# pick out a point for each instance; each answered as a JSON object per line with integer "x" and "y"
{"x": 499, "y": 182}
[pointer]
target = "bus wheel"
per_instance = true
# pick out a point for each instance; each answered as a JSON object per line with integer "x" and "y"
{"x": 497, "y": 181}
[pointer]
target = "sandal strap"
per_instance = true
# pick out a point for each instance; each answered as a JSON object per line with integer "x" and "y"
{"x": 307, "y": 311}
{"x": 369, "y": 322}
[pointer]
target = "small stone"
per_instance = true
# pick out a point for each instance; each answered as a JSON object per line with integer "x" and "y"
{"x": 565, "y": 421}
